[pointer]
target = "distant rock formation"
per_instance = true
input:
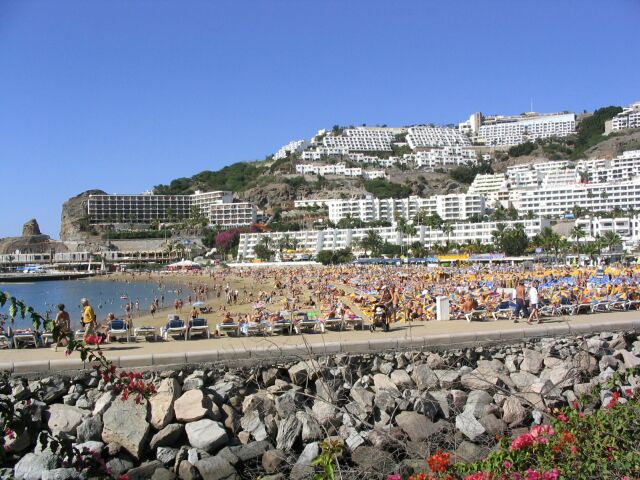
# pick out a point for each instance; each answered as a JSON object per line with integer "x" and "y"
{"x": 31, "y": 241}
{"x": 74, "y": 211}
{"x": 31, "y": 228}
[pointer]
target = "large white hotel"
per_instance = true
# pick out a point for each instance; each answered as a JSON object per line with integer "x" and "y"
{"x": 218, "y": 207}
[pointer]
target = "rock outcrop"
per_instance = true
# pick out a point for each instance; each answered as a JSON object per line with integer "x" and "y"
{"x": 74, "y": 211}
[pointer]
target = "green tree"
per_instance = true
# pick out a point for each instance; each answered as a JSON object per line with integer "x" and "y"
{"x": 611, "y": 240}
{"x": 372, "y": 242}
{"x": 578, "y": 233}
{"x": 513, "y": 241}
{"x": 263, "y": 250}
{"x": 334, "y": 257}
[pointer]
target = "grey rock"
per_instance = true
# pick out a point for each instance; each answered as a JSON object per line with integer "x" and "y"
{"x": 285, "y": 404}
{"x": 262, "y": 402}
{"x": 186, "y": 471}
{"x": 216, "y": 468}
{"x": 102, "y": 403}
{"x": 31, "y": 466}
{"x": 493, "y": 425}
{"x": 125, "y": 423}
{"x": 301, "y": 371}
{"x": 90, "y": 446}
{"x": 163, "y": 474}
{"x": 60, "y": 474}
{"x": 363, "y": 397}
{"x": 166, "y": 455}
{"x": 630, "y": 360}
{"x": 144, "y": 471}
{"x": 324, "y": 411}
{"x": 373, "y": 461}
{"x": 401, "y": 379}
{"x": 191, "y": 406}
{"x": 64, "y": 418}
{"x": 425, "y": 378}
{"x": 161, "y": 404}
{"x": 90, "y": 429}
{"x": 288, "y": 432}
{"x": 442, "y": 397}
{"x": 435, "y": 361}
{"x": 470, "y": 452}
{"x": 458, "y": 400}
{"x": 119, "y": 465}
{"x": 272, "y": 460}
{"x": 206, "y": 434}
{"x": 252, "y": 424}
{"x": 469, "y": 426}
{"x": 386, "y": 401}
{"x": 303, "y": 469}
{"x": 168, "y": 436}
{"x": 523, "y": 380}
{"x": 383, "y": 383}
{"x": 514, "y": 412}
{"x": 250, "y": 452}
{"x": 415, "y": 425}
{"x": 448, "y": 378}
{"x": 532, "y": 361}
{"x": 477, "y": 402}
{"x": 311, "y": 429}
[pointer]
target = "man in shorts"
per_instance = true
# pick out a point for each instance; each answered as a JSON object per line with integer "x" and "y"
{"x": 88, "y": 319}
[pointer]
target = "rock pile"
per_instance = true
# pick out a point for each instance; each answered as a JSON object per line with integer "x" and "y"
{"x": 389, "y": 411}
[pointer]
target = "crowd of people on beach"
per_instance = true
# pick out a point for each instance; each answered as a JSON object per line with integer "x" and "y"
{"x": 270, "y": 296}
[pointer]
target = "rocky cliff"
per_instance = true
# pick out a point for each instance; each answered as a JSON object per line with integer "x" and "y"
{"x": 31, "y": 241}
{"x": 74, "y": 212}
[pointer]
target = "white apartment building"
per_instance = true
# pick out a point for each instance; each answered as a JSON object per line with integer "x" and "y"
{"x": 373, "y": 174}
{"x": 515, "y": 130}
{"x": 339, "y": 169}
{"x": 443, "y": 157}
{"x": 291, "y": 147}
{"x": 429, "y": 137}
{"x": 313, "y": 155}
{"x": 489, "y": 185}
{"x": 626, "y": 227}
{"x": 449, "y": 207}
{"x": 233, "y": 214}
{"x": 555, "y": 178}
{"x": 314, "y": 241}
{"x": 628, "y": 118}
{"x": 596, "y": 197}
{"x": 363, "y": 139}
{"x": 147, "y": 208}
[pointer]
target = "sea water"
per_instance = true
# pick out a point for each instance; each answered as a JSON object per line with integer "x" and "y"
{"x": 104, "y": 296}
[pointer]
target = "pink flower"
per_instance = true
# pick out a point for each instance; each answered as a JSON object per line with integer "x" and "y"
{"x": 507, "y": 464}
{"x": 551, "y": 474}
{"x": 394, "y": 477}
{"x": 533, "y": 475}
{"x": 574, "y": 450}
{"x": 563, "y": 418}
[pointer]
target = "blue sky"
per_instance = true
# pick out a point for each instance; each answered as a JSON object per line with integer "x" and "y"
{"x": 123, "y": 95}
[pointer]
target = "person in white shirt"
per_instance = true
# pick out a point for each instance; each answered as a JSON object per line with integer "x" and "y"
{"x": 534, "y": 303}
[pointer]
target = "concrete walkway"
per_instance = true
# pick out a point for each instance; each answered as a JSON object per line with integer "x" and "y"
{"x": 430, "y": 335}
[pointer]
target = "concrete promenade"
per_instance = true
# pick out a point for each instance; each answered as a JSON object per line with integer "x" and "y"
{"x": 430, "y": 335}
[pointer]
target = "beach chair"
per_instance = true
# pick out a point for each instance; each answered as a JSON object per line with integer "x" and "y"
{"x": 281, "y": 326}
{"x": 229, "y": 328}
{"x": 579, "y": 308}
{"x": 334, "y": 323}
{"x": 46, "y": 338}
{"x": 547, "y": 311}
{"x": 78, "y": 334}
{"x": 25, "y": 337}
{"x": 174, "y": 328}
{"x": 4, "y": 341}
{"x": 198, "y": 326}
{"x": 600, "y": 306}
{"x": 308, "y": 321}
{"x": 477, "y": 314}
{"x": 502, "y": 313}
{"x": 118, "y": 329}
{"x": 146, "y": 332}
{"x": 356, "y": 321}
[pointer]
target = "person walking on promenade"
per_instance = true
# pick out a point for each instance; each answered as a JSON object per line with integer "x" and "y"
{"x": 534, "y": 301}
{"x": 521, "y": 305}
{"x": 63, "y": 322}
{"x": 88, "y": 319}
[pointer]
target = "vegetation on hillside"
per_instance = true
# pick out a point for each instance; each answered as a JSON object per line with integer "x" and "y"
{"x": 466, "y": 173}
{"x": 236, "y": 177}
{"x": 591, "y": 129}
{"x": 381, "y": 188}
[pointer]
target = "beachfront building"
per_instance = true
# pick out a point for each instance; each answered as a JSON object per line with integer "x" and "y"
{"x": 430, "y": 137}
{"x": 490, "y": 186}
{"x": 148, "y": 208}
{"x": 448, "y": 207}
{"x": 501, "y": 130}
{"x": 628, "y": 118}
{"x": 289, "y": 148}
{"x": 314, "y": 241}
{"x": 556, "y": 201}
{"x": 232, "y": 214}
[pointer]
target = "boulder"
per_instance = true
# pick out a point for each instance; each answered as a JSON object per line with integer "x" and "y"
{"x": 383, "y": 383}
{"x": 102, "y": 403}
{"x": 253, "y": 424}
{"x": 125, "y": 423}
{"x": 161, "y": 403}
{"x": 468, "y": 425}
{"x": 477, "y": 402}
{"x": 288, "y": 432}
{"x": 523, "y": 380}
{"x": 514, "y": 412}
{"x": 372, "y": 461}
{"x": 163, "y": 474}
{"x": 311, "y": 429}
{"x": 206, "y": 434}
{"x": 272, "y": 460}
{"x": 31, "y": 466}
{"x": 64, "y": 418}
{"x": 363, "y": 397}
{"x": 166, "y": 455}
{"x": 532, "y": 361}
{"x": 447, "y": 378}
{"x": 425, "y": 378}
{"x": 493, "y": 425}
{"x": 401, "y": 379}
{"x": 216, "y": 468}
{"x": 303, "y": 468}
{"x": 416, "y": 426}
{"x": 469, "y": 452}
{"x": 60, "y": 474}
{"x": 168, "y": 436}
{"x": 303, "y": 371}
{"x": 90, "y": 429}
{"x": 191, "y": 406}
{"x": 144, "y": 471}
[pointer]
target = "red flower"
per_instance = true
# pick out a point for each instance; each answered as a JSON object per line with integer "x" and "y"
{"x": 438, "y": 462}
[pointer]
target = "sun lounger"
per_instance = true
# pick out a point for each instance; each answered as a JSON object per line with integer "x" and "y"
{"x": 174, "y": 328}
{"x": 46, "y": 338}
{"x": 502, "y": 313}
{"x": 118, "y": 329}
{"x": 228, "y": 327}
{"x": 26, "y": 338}
{"x": 145, "y": 332}
{"x": 600, "y": 306}
{"x": 308, "y": 322}
{"x": 282, "y": 326}
{"x": 547, "y": 311}
{"x": 198, "y": 326}
{"x": 477, "y": 314}
{"x": 581, "y": 308}
{"x": 356, "y": 321}
{"x": 4, "y": 341}
{"x": 336, "y": 323}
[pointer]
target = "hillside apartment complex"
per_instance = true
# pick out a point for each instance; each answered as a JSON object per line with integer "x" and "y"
{"x": 628, "y": 118}
{"x": 218, "y": 207}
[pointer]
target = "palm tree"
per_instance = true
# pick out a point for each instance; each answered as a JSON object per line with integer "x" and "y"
{"x": 447, "y": 229}
{"x": 404, "y": 228}
{"x": 611, "y": 240}
{"x": 577, "y": 233}
{"x": 372, "y": 242}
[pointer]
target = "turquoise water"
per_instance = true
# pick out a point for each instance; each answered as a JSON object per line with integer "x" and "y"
{"x": 104, "y": 296}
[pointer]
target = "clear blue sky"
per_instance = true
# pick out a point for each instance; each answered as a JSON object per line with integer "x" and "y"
{"x": 123, "y": 95}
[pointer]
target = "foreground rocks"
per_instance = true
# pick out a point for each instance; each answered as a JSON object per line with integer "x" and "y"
{"x": 388, "y": 411}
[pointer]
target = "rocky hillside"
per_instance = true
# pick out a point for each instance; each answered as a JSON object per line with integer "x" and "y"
{"x": 73, "y": 222}
{"x": 31, "y": 241}
{"x": 388, "y": 411}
